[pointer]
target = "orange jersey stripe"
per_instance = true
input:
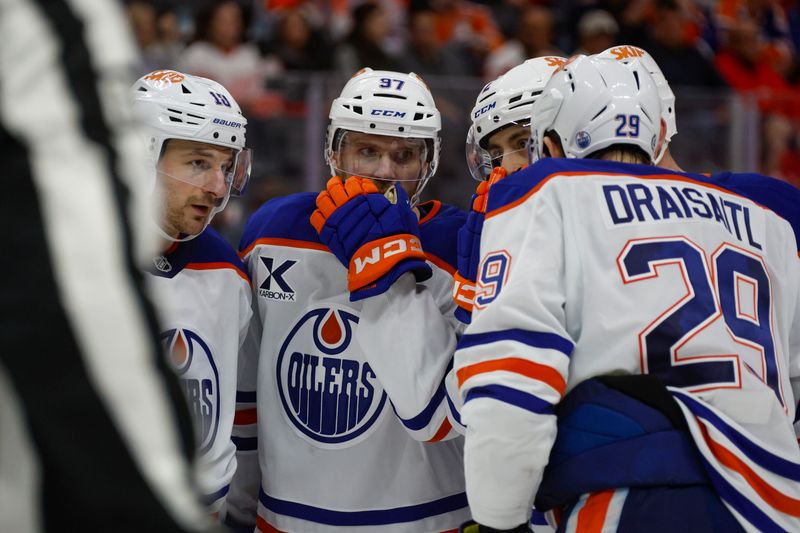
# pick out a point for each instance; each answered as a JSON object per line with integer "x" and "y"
{"x": 289, "y": 243}
{"x": 444, "y": 429}
{"x": 543, "y": 373}
{"x": 218, "y": 266}
{"x": 671, "y": 177}
{"x": 245, "y": 416}
{"x": 775, "y": 498}
{"x": 264, "y": 526}
{"x": 435, "y": 208}
{"x": 592, "y": 515}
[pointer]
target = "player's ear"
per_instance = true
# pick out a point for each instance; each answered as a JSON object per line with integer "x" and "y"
{"x": 551, "y": 148}
{"x": 662, "y": 135}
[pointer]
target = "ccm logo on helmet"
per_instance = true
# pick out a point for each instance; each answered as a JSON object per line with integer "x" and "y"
{"x": 228, "y": 123}
{"x": 388, "y": 113}
{"x": 376, "y": 254}
{"x": 484, "y": 109}
{"x": 625, "y": 52}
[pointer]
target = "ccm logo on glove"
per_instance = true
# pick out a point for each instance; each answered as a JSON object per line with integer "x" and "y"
{"x": 370, "y": 261}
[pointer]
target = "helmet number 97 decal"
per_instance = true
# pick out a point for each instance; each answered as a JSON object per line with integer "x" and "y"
{"x": 629, "y": 121}
{"x": 386, "y": 83}
{"x": 492, "y": 275}
{"x": 220, "y": 99}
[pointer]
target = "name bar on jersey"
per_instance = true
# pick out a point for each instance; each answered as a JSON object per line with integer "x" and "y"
{"x": 630, "y": 203}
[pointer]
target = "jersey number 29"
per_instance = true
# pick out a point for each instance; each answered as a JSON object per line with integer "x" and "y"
{"x": 709, "y": 296}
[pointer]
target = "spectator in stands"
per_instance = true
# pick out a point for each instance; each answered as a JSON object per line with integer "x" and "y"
{"x": 425, "y": 55}
{"x": 364, "y": 47}
{"x": 597, "y": 31}
{"x": 534, "y": 39}
{"x": 745, "y": 64}
{"x": 296, "y": 45}
{"x": 682, "y": 62}
{"x": 222, "y": 53}
{"x": 142, "y": 16}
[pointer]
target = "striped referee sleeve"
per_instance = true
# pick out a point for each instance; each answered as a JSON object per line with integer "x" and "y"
{"x": 110, "y": 435}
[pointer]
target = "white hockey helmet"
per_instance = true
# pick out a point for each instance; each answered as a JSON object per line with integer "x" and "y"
{"x": 593, "y": 103}
{"x": 389, "y": 104}
{"x": 506, "y": 101}
{"x": 633, "y": 54}
{"x": 174, "y": 105}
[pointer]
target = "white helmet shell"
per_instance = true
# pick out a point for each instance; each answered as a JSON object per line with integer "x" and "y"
{"x": 505, "y": 101}
{"x": 633, "y": 54}
{"x": 174, "y": 105}
{"x": 509, "y": 99}
{"x": 593, "y": 103}
{"x": 387, "y": 103}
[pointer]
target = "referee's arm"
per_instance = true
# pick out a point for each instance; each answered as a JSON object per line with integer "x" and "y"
{"x": 94, "y": 433}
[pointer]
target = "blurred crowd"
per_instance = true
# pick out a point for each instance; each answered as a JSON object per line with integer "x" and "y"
{"x": 747, "y": 46}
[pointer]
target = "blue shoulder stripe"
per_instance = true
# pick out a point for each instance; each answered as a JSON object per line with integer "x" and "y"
{"x": 509, "y": 395}
{"x": 208, "y": 247}
{"x": 534, "y": 339}
{"x": 779, "y": 196}
{"x": 286, "y": 217}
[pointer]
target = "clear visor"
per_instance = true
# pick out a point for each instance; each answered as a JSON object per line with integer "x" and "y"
{"x": 210, "y": 172}
{"x": 507, "y": 147}
{"x": 380, "y": 157}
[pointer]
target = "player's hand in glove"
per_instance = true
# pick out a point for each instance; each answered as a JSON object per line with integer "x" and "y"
{"x": 474, "y": 527}
{"x": 375, "y": 239}
{"x": 468, "y": 247}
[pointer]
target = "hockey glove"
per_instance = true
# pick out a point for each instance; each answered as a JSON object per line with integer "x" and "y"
{"x": 469, "y": 248}
{"x": 474, "y": 527}
{"x": 375, "y": 239}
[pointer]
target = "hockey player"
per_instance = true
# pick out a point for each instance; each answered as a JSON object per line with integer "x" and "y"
{"x": 648, "y": 278}
{"x": 497, "y": 146}
{"x": 196, "y": 141}
{"x": 353, "y": 287}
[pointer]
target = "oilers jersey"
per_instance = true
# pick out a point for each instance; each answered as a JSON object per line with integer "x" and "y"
{"x": 355, "y": 427}
{"x": 203, "y": 297}
{"x": 592, "y": 268}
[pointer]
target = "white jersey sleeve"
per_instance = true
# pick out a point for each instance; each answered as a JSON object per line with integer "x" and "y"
{"x": 512, "y": 363}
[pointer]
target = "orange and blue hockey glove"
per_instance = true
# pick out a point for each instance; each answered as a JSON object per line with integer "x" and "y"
{"x": 469, "y": 247}
{"x": 375, "y": 239}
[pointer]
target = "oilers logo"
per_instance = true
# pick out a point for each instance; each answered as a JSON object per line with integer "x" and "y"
{"x": 329, "y": 393}
{"x": 194, "y": 364}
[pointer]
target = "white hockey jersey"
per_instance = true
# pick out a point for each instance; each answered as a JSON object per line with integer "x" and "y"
{"x": 203, "y": 297}
{"x": 347, "y": 392}
{"x": 593, "y": 267}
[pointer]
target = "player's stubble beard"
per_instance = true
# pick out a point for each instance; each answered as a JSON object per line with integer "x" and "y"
{"x": 181, "y": 218}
